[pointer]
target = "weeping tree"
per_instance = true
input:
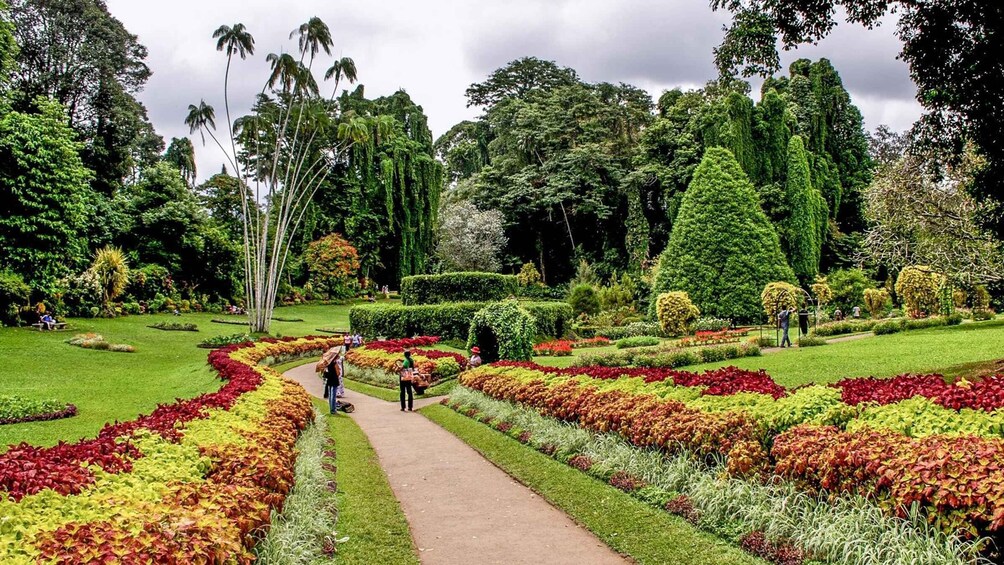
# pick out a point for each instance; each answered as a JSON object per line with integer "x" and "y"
{"x": 283, "y": 151}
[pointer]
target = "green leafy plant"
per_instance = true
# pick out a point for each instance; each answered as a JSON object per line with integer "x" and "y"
{"x": 777, "y": 296}
{"x": 174, "y": 327}
{"x": 675, "y": 312}
{"x": 640, "y": 341}
{"x": 216, "y": 342}
{"x": 584, "y": 300}
{"x": 457, "y": 287}
{"x": 503, "y": 331}
{"x": 811, "y": 341}
{"x": 917, "y": 287}
{"x": 17, "y": 409}
{"x": 447, "y": 320}
{"x": 876, "y": 300}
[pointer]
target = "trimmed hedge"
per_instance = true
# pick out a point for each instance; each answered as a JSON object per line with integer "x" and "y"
{"x": 457, "y": 287}
{"x": 448, "y": 321}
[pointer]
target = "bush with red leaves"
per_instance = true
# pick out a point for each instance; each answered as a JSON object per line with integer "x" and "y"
{"x": 782, "y": 553}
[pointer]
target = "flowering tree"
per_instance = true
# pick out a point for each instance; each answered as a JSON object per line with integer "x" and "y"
{"x": 333, "y": 264}
{"x": 470, "y": 239}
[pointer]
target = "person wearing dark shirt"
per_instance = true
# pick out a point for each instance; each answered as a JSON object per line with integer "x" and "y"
{"x": 405, "y": 381}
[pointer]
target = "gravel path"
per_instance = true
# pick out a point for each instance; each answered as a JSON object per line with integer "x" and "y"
{"x": 461, "y": 508}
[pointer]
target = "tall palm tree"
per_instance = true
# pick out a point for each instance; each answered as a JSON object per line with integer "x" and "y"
{"x": 285, "y": 71}
{"x": 202, "y": 119}
{"x": 315, "y": 36}
{"x": 234, "y": 40}
{"x": 342, "y": 68}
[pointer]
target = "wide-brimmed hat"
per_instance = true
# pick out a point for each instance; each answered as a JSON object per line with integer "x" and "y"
{"x": 475, "y": 350}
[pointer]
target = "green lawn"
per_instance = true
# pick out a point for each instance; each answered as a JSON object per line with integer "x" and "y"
{"x": 919, "y": 351}
{"x": 369, "y": 515}
{"x": 626, "y": 524}
{"x": 108, "y": 386}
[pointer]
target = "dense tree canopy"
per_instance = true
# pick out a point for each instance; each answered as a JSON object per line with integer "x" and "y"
{"x": 952, "y": 48}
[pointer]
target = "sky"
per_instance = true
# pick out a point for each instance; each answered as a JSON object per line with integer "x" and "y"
{"x": 435, "y": 49}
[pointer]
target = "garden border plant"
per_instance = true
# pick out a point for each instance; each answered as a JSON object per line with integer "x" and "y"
{"x": 449, "y": 321}
{"x": 18, "y": 410}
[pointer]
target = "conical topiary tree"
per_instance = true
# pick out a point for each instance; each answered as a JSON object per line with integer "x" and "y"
{"x": 723, "y": 249}
{"x": 804, "y": 230}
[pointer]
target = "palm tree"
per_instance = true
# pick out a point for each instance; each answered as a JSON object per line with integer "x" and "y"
{"x": 234, "y": 40}
{"x": 285, "y": 71}
{"x": 314, "y": 37}
{"x": 342, "y": 68}
{"x": 112, "y": 271}
{"x": 202, "y": 119}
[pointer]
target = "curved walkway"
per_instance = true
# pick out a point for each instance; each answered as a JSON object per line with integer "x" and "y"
{"x": 460, "y": 507}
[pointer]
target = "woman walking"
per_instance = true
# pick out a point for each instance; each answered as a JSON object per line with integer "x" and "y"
{"x": 331, "y": 366}
{"x": 405, "y": 382}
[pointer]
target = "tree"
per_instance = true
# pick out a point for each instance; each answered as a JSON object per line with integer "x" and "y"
{"x": 584, "y": 300}
{"x": 181, "y": 154}
{"x": 848, "y": 287}
{"x": 8, "y": 45}
{"x": 804, "y": 230}
{"x": 876, "y": 300}
{"x": 777, "y": 296}
{"x": 920, "y": 218}
{"x": 75, "y": 52}
{"x": 222, "y": 196}
{"x": 111, "y": 269}
{"x": 333, "y": 265}
{"x": 518, "y": 80}
{"x": 43, "y": 183}
{"x": 284, "y": 151}
{"x": 947, "y": 44}
{"x": 470, "y": 239}
{"x": 723, "y": 250}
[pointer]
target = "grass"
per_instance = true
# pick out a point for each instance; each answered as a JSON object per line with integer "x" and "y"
{"x": 919, "y": 351}
{"x": 108, "y": 387}
{"x": 629, "y": 526}
{"x": 392, "y": 395}
{"x": 368, "y": 513}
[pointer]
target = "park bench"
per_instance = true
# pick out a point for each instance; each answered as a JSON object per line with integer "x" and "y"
{"x": 56, "y": 326}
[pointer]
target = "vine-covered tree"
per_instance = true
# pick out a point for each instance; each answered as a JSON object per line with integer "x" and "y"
{"x": 723, "y": 250}
{"x": 803, "y": 232}
{"x": 43, "y": 188}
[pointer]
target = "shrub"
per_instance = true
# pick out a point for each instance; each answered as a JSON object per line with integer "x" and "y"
{"x": 822, "y": 291}
{"x": 503, "y": 331}
{"x": 448, "y": 321}
{"x": 848, "y": 286}
{"x": 174, "y": 327}
{"x": 777, "y": 296}
{"x": 457, "y": 287}
{"x": 149, "y": 281}
{"x": 132, "y": 308}
{"x": 707, "y": 324}
{"x": 917, "y": 287}
{"x": 876, "y": 300}
{"x": 14, "y": 294}
{"x": 81, "y": 295}
{"x": 675, "y": 312}
{"x": 811, "y": 341}
{"x": 890, "y": 327}
{"x": 219, "y": 341}
{"x": 844, "y": 327}
{"x": 17, "y": 409}
{"x": 529, "y": 275}
{"x": 983, "y": 315}
{"x": 584, "y": 300}
{"x": 112, "y": 272}
{"x": 633, "y": 329}
{"x": 640, "y": 341}
{"x": 723, "y": 249}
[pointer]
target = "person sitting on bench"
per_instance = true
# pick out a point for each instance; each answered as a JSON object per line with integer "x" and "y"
{"x": 48, "y": 322}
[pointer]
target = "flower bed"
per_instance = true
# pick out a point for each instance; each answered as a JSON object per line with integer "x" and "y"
{"x": 18, "y": 410}
{"x": 192, "y": 481}
{"x": 96, "y": 341}
{"x": 564, "y": 347}
{"x": 953, "y": 470}
{"x": 705, "y": 338}
{"x": 384, "y": 355}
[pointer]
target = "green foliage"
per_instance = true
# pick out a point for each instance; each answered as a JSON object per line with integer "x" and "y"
{"x": 448, "y": 320}
{"x": 811, "y": 341}
{"x": 821, "y": 291}
{"x": 41, "y": 237}
{"x": 634, "y": 329}
{"x": 181, "y": 154}
{"x": 709, "y": 324}
{"x": 848, "y": 287}
{"x": 225, "y": 340}
{"x": 175, "y": 327}
{"x": 112, "y": 271}
{"x": 917, "y": 287}
{"x": 20, "y": 409}
{"x": 777, "y": 296}
{"x": 843, "y": 327}
{"x": 804, "y": 231}
{"x": 14, "y": 295}
{"x": 8, "y": 45}
{"x": 640, "y": 341}
{"x": 529, "y": 275}
{"x": 722, "y": 251}
{"x": 333, "y": 264}
{"x": 675, "y": 312}
{"x": 457, "y": 287}
{"x": 876, "y": 301}
{"x": 584, "y": 300}
{"x": 503, "y": 331}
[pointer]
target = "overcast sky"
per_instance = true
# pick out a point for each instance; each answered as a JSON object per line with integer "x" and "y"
{"x": 435, "y": 50}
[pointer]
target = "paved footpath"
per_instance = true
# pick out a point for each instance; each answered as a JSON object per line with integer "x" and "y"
{"x": 461, "y": 508}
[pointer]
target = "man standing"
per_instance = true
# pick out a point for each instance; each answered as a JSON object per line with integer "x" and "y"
{"x": 784, "y": 319}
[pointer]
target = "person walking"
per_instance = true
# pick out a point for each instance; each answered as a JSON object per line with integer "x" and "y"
{"x": 803, "y": 322}
{"x": 405, "y": 381}
{"x": 332, "y": 375}
{"x": 784, "y": 319}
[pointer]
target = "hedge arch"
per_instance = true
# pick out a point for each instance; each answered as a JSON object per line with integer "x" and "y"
{"x": 503, "y": 331}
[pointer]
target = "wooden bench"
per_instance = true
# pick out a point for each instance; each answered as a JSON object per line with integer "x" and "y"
{"x": 55, "y": 326}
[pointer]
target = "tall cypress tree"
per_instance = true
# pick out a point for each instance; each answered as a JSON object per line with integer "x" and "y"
{"x": 805, "y": 229}
{"x": 723, "y": 249}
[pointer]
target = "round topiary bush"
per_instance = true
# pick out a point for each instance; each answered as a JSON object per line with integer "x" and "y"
{"x": 675, "y": 312}
{"x": 503, "y": 331}
{"x": 584, "y": 300}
